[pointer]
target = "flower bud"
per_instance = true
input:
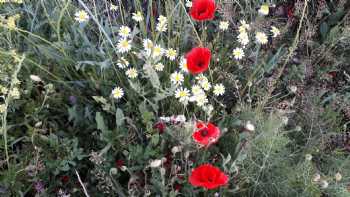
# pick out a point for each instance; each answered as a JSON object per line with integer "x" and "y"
{"x": 249, "y": 126}
{"x": 338, "y": 176}
{"x": 308, "y": 157}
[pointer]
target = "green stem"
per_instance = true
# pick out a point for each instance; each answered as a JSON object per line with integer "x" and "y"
{"x": 7, "y": 102}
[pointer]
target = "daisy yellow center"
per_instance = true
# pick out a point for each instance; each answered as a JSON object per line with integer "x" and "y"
{"x": 125, "y": 44}
{"x": 171, "y": 52}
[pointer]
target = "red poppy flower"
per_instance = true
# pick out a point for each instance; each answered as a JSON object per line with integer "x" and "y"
{"x": 208, "y": 176}
{"x": 198, "y": 60}
{"x": 202, "y": 10}
{"x": 206, "y": 134}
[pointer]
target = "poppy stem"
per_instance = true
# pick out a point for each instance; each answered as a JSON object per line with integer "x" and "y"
{"x": 194, "y": 28}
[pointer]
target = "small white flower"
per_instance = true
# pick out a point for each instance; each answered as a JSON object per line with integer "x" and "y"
{"x": 113, "y": 7}
{"x": 201, "y": 99}
{"x": 159, "y": 67}
{"x": 177, "y": 78}
{"x": 183, "y": 94}
{"x": 131, "y": 73}
{"x": 117, "y": 93}
{"x": 137, "y": 16}
{"x": 122, "y": 63}
{"x": 183, "y": 65}
{"x": 155, "y": 163}
{"x": 196, "y": 89}
{"x": 81, "y": 16}
{"x": 35, "y": 78}
{"x": 338, "y": 176}
{"x": 147, "y": 44}
{"x": 238, "y": 53}
{"x": 14, "y": 93}
{"x": 219, "y": 90}
{"x": 162, "y": 24}
{"x": 264, "y": 9}
{"x": 261, "y": 38}
{"x": 188, "y": 3}
{"x": 275, "y": 32}
{"x": 124, "y": 45}
{"x": 244, "y": 27}
{"x": 243, "y": 38}
{"x": 249, "y": 126}
{"x": 124, "y": 31}
{"x": 205, "y": 85}
{"x": 171, "y": 54}
{"x": 223, "y": 25}
{"x": 308, "y": 157}
{"x": 157, "y": 51}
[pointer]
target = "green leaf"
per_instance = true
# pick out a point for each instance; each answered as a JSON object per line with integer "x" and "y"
{"x": 153, "y": 76}
{"x": 324, "y": 28}
{"x": 155, "y": 139}
{"x": 274, "y": 60}
{"x": 100, "y": 122}
{"x": 119, "y": 117}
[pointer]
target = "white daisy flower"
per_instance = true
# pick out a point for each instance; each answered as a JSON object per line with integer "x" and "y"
{"x": 157, "y": 51}
{"x": 171, "y": 54}
{"x": 219, "y": 90}
{"x": 183, "y": 94}
{"x": 205, "y": 85}
{"x": 243, "y": 38}
{"x": 183, "y": 65}
{"x": 275, "y": 32}
{"x": 264, "y": 9}
{"x": 124, "y": 45}
{"x": 117, "y": 93}
{"x": 196, "y": 89}
{"x": 124, "y": 31}
{"x": 147, "y": 44}
{"x": 200, "y": 99}
{"x": 131, "y": 73}
{"x": 81, "y": 16}
{"x": 261, "y": 37}
{"x": 177, "y": 78}
{"x": 137, "y": 16}
{"x": 122, "y": 63}
{"x": 238, "y": 53}
{"x": 159, "y": 67}
{"x": 223, "y": 25}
